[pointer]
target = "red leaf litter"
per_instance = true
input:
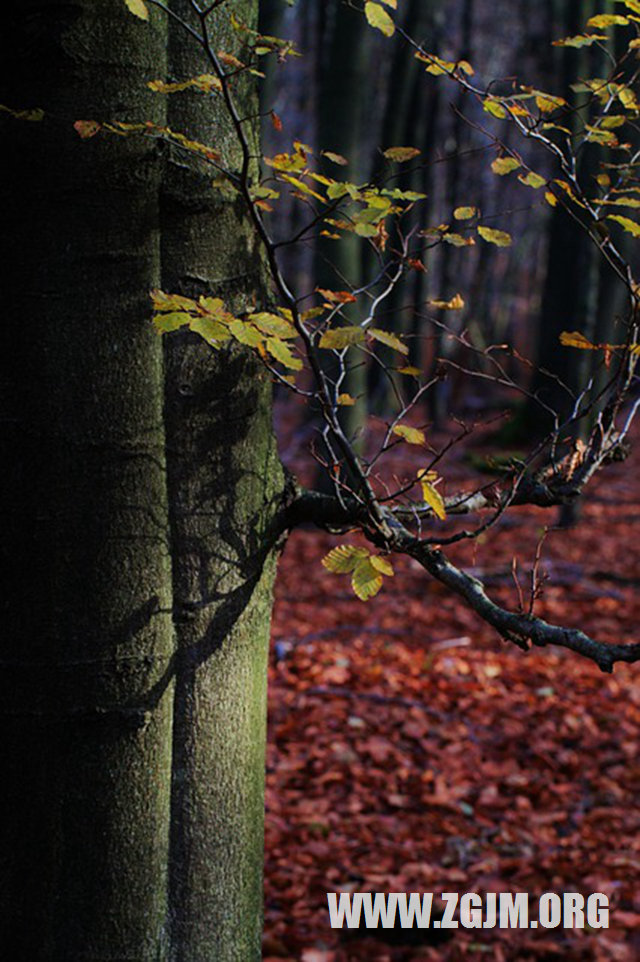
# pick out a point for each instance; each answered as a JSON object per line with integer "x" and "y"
{"x": 411, "y": 750}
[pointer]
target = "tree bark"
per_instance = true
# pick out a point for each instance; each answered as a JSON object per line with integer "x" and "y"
{"x": 87, "y": 639}
{"x": 225, "y": 485}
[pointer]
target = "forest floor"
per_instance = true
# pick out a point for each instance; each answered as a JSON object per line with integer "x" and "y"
{"x": 411, "y": 750}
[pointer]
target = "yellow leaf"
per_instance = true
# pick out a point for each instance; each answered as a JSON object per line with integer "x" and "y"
{"x": 455, "y": 304}
{"x": 335, "y": 158}
{"x": 582, "y": 40}
{"x": 389, "y": 339}
{"x": 608, "y": 20}
{"x": 165, "y": 323}
{"x": 551, "y": 198}
{"x": 345, "y": 400}
{"x": 409, "y": 434}
{"x": 498, "y": 237}
{"x": 532, "y": 180}
{"x": 366, "y": 581}
{"x": 401, "y": 154}
{"x": 300, "y": 184}
{"x": 344, "y": 558}
{"x": 457, "y": 240}
{"x": 576, "y": 339}
{"x": 504, "y": 165}
{"x": 282, "y": 352}
{"x": 172, "y": 302}
{"x": 205, "y": 83}
{"x": 379, "y": 18}
{"x": 431, "y": 495}
{"x": 631, "y": 226}
{"x": 338, "y": 338}
{"x": 410, "y": 371}
{"x": 138, "y": 8}
{"x": 495, "y": 108}
{"x": 211, "y": 330}
{"x": 272, "y": 324}
{"x": 382, "y": 565}
{"x": 245, "y": 333}
{"x": 465, "y": 213}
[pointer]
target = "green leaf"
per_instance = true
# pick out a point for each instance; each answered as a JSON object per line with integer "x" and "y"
{"x": 389, "y": 339}
{"x": 379, "y": 18}
{"x": 498, "y": 237}
{"x": 344, "y": 558}
{"x": 340, "y": 337}
{"x": 409, "y": 434}
{"x": 631, "y": 226}
{"x": 138, "y": 8}
{"x": 366, "y": 581}
{"x": 282, "y": 352}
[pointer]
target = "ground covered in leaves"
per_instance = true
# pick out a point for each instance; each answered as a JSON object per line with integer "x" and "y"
{"x": 410, "y": 749}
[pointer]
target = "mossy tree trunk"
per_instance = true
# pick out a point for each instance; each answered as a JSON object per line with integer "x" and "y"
{"x": 139, "y": 543}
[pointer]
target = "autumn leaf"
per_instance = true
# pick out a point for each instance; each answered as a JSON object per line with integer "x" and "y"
{"x": 409, "y": 434}
{"x": 495, "y": 108}
{"x": 366, "y": 580}
{"x": 87, "y": 128}
{"x": 532, "y": 180}
{"x": 282, "y": 352}
{"x": 378, "y": 17}
{"x": 465, "y": 213}
{"x": 382, "y": 565}
{"x": 138, "y": 8}
{"x": 391, "y": 340}
{"x": 505, "y": 165}
{"x": 498, "y": 237}
{"x": 338, "y": 338}
{"x": 401, "y": 154}
{"x": 336, "y": 297}
{"x": 631, "y": 226}
{"x": 431, "y": 495}
{"x": 608, "y": 20}
{"x": 344, "y": 558}
{"x": 576, "y": 339}
{"x": 455, "y": 304}
{"x": 335, "y": 158}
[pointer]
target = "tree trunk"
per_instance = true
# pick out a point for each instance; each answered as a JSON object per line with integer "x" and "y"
{"x": 106, "y": 853}
{"x": 85, "y": 686}
{"x": 225, "y": 486}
